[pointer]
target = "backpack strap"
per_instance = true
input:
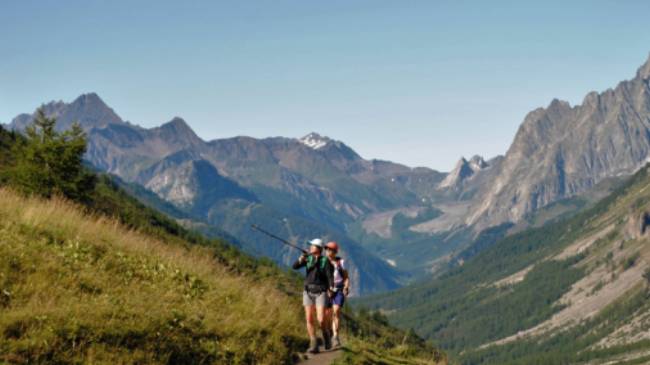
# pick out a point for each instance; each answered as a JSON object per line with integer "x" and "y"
{"x": 322, "y": 261}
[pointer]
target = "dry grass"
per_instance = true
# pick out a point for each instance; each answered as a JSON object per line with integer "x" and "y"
{"x": 79, "y": 288}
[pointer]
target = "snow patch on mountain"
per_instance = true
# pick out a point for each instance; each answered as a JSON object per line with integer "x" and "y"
{"x": 391, "y": 262}
{"x": 314, "y": 141}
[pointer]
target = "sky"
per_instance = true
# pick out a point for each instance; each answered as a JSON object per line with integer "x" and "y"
{"x": 417, "y": 82}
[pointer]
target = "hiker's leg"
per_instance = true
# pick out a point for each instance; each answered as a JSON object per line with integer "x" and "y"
{"x": 335, "y": 319}
{"x": 328, "y": 318}
{"x": 322, "y": 302}
{"x": 309, "y": 318}
{"x": 320, "y": 316}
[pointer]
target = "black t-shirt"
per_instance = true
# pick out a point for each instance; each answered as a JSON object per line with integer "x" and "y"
{"x": 320, "y": 272}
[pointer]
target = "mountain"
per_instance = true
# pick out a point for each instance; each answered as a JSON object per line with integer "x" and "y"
{"x": 313, "y": 179}
{"x": 571, "y": 292}
{"x": 235, "y": 182}
{"x": 563, "y": 150}
{"x": 416, "y": 220}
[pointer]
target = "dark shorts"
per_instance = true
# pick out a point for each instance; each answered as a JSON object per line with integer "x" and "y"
{"x": 338, "y": 299}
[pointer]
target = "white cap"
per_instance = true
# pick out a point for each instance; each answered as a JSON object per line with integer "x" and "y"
{"x": 316, "y": 242}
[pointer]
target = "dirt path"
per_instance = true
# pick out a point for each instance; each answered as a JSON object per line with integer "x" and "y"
{"x": 325, "y": 357}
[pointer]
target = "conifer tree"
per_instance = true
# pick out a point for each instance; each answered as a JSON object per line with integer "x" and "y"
{"x": 50, "y": 162}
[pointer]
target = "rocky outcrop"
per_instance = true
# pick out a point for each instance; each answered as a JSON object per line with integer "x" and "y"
{"x": 637, "y": 225}
{"x": 564, "y": 150}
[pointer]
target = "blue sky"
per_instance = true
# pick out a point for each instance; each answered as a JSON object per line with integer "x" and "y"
{"x": 417, "y": 82}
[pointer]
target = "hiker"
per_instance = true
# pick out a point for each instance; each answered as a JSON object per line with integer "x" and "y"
{"x": 319, "y": 283}
{"x": 341, "y": 290}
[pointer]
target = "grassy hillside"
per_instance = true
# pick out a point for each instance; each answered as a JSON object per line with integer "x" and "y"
{"x": 371, "y": 340}
{"x": 548, "y": 295}
{"x": 111, "y": 281}
{"x": 86, "y": 288}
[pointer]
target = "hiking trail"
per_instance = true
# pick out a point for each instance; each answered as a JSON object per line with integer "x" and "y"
{"x": 325, "y": 357}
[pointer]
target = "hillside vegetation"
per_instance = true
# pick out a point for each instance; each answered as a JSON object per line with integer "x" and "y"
{"x": 573, "y": 291}
{"x": 78, "y": 288}
{"x": 104, "y": 279}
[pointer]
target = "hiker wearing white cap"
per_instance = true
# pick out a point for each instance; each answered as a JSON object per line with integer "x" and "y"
{"x": 319, "y": 282}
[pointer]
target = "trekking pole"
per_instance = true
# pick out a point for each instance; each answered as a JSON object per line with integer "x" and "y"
{"x": 256, "y": 227}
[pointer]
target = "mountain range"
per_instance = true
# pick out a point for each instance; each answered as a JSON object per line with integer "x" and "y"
{"x": 396, "y": 222}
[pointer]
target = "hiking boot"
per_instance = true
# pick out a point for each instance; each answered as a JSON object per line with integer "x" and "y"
{"x": 327, "y": 340}
{"x": 313, "y": 346}
{"x": 337, "y": 341}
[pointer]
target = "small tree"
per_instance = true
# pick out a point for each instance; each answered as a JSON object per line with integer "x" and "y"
{"x": 50, "y": 162}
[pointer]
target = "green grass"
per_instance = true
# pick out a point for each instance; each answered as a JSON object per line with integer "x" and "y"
{"x": 373, "y": 341}
{"x": 87, "y": 289}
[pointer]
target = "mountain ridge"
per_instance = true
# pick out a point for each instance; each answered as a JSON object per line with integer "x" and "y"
{"x": 560, "y": 151}
{"x": 574, "y": 146}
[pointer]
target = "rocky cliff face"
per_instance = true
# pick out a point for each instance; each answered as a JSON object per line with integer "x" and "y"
{"x": 564, "y": 150}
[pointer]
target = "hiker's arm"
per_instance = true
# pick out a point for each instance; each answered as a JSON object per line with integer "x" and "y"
{"x": 346, "y": 283}
{"x": 300, "y": 263}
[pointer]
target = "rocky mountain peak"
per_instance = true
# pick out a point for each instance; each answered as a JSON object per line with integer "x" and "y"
{"x": 644, "y": 71}
{"x": 90, "y": 99}
{"x": 53, "y": 108}
{"x": 558, "y": 105}
{"x": 95, "y": 111}
{"x": 591, "y": 99}
{"x": 87, "y": 109}
{"x": 177, "y": 124}
{"x": 463, "y": 170}
{"x": 477, "y": 163}
{"x": 334, "y": 151}
{"x": 315, "y": 141}
{"x": 178, "y": 132}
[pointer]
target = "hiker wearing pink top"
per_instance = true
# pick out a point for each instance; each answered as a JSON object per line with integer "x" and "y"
{"x": 340, "y": 291}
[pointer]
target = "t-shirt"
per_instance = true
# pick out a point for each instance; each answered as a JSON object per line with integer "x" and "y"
{"x": 338, "y": 273}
